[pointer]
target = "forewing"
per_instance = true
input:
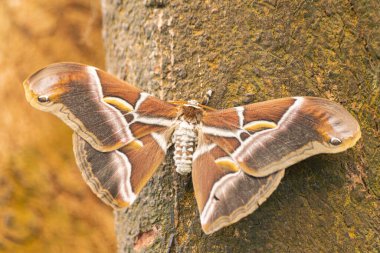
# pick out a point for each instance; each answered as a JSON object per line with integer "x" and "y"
{"x": 105, "y": 111}
{"x": 270, "y": 136}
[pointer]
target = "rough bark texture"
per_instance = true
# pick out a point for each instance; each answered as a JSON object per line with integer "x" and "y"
{"x": 249, "y": 51}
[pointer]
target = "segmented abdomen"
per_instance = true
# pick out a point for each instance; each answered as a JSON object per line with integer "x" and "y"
{"x": 184, "y": 139}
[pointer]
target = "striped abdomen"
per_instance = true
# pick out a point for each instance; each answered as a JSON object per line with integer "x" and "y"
{"x": 184, "y": 139}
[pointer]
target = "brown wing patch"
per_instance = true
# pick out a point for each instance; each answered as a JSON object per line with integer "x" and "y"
{"x": 229, "y": 145}
{"x": 205, "y": 173}
{"x": 271, "y": 110}
{"x": 156, "y": 108}
{"x": 225, "y": 119}
{"x": 141, "y": 129}
{"x": 114, "y": 87}
{"x": 144, "y": 161}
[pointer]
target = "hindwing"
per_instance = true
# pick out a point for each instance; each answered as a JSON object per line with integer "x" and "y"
{"x": 117, "y": 176}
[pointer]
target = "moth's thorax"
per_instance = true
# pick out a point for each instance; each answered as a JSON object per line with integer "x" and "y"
{"x": 191, "y": 111}
{"x": 185, "y": 136}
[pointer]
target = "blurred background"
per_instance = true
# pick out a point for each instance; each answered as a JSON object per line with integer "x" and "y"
{"x": 45, "y": 205}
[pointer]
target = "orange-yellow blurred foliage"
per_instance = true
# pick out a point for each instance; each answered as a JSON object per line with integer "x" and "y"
{"x": 45, "y": 205}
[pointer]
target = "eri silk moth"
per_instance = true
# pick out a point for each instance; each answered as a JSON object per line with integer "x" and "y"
{"x": 237, "y": 156}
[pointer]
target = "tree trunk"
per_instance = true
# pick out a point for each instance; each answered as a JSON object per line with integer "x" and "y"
{"x": 250, "y": 51}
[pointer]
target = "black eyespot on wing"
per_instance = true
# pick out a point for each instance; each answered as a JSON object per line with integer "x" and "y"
{"x": 43, "y": 99}
{"x": 335, "y": 141}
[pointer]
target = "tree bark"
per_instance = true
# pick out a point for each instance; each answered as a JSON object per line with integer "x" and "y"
{"x": 250, "y": 51}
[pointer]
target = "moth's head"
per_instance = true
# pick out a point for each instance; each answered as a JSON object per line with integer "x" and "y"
{"x": 191, "y": 111}
{"x": 45, "y": 88}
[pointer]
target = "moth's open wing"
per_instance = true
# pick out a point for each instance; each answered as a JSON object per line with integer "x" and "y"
{"x": 266, "y": 137}
{"x": 118, "y": 176}
{"x": 225, "y": 195}
{"x": 105, "y": 111}
{"x": 243, "y": 152}
{"x": 121, "y": 134}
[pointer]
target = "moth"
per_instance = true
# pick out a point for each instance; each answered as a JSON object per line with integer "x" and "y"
{"x": 237, "y": 156}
